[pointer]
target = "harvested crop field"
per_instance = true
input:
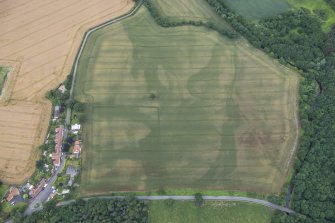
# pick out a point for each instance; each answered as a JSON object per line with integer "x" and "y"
{"x": 255, "y": 9}
{"x": 40, "y": 38}
{"x": 182, "y": 108}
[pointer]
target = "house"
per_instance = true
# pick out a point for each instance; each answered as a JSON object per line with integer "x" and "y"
{"x": 76, "y": 149}
{"x": 35, "y": 191}
{"x": 13, "y": 192}
{"x": 57, "y": 112}
{"x": 62, "y": 88}
{"x": 65, "y": 191}
{"x": 75, "y": 127}
{"x": 56, "y": 156}
{"x": 72, "y": 172}
{"x": 28, "y": 186}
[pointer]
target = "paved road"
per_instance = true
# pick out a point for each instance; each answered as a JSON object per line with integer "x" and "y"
{"x": 208, "y": 198}
{"x": 36, "y": 204}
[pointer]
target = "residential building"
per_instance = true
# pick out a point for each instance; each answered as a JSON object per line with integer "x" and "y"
{"x": 62, "y": 88}
{"x": 72, "y": 172}
{"x": 56, "y": 156}
{"x": 75, "y": 128}
{"x": 35, "y": 191}
{"x": 13, "y": 191}
{"x": 57, "y": 112}
{"x": 76, "y": 149}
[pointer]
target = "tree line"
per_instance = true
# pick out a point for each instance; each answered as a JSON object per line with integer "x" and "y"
{"x": 115, "y": 210}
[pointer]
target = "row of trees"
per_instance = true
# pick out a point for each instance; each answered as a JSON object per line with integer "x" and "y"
{"x": 94, "y": 210}
{"x": 295, "y": 38}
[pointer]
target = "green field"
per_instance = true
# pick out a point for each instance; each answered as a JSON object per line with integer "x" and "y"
{"x": 317, "y": 5}
{"x": 256, "y": 9}
{"x": 3, "y": 76}
{"x": 182, "y": 107}
{"x": 211, "y": 212}
{"x": 194, "y": 10}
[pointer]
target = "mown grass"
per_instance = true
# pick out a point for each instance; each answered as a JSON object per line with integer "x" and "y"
{"x": 181, "y": 108}
{"x": 315, "y": 6}
{"x": 211, "y": 212}
{"x": 256, "y": 9}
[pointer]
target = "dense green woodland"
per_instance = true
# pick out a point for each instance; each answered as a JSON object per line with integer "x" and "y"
{"x": 129, "y": 210}
{"x": 296, "y": 39}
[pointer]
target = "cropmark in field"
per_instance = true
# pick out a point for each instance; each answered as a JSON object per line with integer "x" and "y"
{"x": 182, "y": 108}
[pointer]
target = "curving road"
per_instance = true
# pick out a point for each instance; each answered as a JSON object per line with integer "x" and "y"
{"x": 186, "y": 198}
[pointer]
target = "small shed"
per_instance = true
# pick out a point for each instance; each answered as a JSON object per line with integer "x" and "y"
{"x": 57, "y": 112}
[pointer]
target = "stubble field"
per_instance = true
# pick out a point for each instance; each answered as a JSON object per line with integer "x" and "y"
{"x": 182, "y": 108}
{"x": 39, "y": 38}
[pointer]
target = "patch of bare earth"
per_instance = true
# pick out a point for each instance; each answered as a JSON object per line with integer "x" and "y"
{"x": 41, "y": 39}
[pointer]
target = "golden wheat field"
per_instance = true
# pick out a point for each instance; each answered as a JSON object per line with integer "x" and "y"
{"x": 39, "y": 40}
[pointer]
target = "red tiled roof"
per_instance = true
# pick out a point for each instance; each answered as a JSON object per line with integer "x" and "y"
{"x": 13, "y": 191}
{"x": 38, "y": 189}
{"x": 58, "y": 147}
{"x": 76, "y": 149}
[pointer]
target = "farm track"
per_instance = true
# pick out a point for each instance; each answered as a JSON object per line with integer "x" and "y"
{"x": 188, "y": 198}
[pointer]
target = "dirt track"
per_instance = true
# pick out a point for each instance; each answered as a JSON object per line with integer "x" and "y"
{"x": 40, "y": 39}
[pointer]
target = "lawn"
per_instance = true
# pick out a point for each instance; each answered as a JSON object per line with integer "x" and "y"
{"x": 315, "y": 6}
{"x": 256, "y": 9}
{"x": 211, "y": 212}
{"x": 182, "y": 108}
{"x": 3, "y": 76}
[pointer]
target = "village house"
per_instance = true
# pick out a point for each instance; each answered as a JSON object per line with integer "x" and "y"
{"x": 62, "y": 88}
{"x": 13, "y": 192}
{"x": 57, "y": 112}
{"x": 75, "y": 128}
{"x": 35, "y": 191}
{"x": 56, "y": 156}
{"x": 72, "y": 172}
{"x": 76, "y": 149}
